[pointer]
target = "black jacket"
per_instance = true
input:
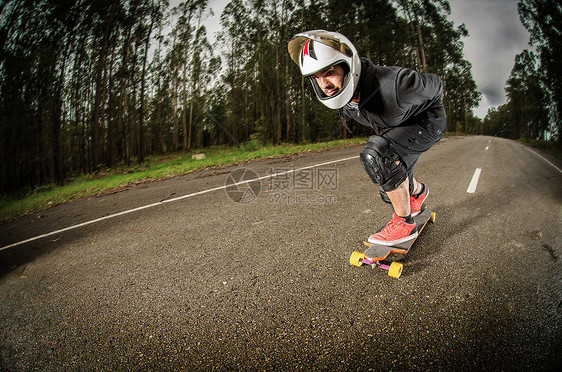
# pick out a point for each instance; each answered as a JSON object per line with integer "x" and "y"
{"x": 392, "y": 96}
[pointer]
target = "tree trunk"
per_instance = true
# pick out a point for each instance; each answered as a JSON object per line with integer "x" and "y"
{"x": 287, "y": 102}
{"x": 190, "y": 124}
{"x": 100, "y": 82}
{"x": 184, "y": 109}
{"x": 422, "y": 51}
{"x": 303, "y": 124}
{"x": 175, "y": 110}
{"x": 143, "y": 83}
{"x": 278, "y": 124}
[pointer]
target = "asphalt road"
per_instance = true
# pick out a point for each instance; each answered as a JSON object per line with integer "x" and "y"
{"x": 199, "y": 281}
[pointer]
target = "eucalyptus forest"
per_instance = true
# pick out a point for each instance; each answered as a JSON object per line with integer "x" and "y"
{"x": 86, "y": 84}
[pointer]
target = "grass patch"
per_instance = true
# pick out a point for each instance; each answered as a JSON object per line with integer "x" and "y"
{"x": 154, "y": 168}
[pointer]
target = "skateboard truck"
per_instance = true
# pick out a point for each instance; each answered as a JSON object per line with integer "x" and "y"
{"x": 376, "y": 253}
{"x": 359, "y": 259}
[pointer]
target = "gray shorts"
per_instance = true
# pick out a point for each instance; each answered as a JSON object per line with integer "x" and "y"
{"x": 417, "y": 136}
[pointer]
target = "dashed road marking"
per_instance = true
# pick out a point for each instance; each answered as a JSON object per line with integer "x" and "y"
{"x": 474, "y": 182}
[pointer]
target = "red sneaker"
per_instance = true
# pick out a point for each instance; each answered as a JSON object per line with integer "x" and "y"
{"x": 395, "y": 232}
{"x": 416, "y": 206}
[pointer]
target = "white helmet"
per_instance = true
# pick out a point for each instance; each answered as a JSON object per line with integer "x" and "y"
{"x": 317, "y": 50}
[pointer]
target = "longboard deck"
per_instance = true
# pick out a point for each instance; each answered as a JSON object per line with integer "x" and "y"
{"x": 378, "y": 252}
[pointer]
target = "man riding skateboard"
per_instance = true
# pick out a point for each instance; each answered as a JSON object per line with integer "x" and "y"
{"x": 403, "y": 106}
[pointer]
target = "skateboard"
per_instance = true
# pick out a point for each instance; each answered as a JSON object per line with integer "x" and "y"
{"x": 375, "y": 253}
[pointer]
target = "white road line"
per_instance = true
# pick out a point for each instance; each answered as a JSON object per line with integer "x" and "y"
{"x": 474, "y": 182}
{"x": 166, "y": 201}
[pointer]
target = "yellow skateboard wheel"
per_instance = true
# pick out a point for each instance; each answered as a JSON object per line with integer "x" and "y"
{"x": 395, "y": 270}
{"x": 356, "y": 258}
{"x": 433, "y": 216}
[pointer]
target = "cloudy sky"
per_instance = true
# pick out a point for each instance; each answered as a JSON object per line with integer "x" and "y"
{"x": 496, "y": 37}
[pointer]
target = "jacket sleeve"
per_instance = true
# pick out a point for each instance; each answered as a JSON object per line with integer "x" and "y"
{"x": 416, "y": 92}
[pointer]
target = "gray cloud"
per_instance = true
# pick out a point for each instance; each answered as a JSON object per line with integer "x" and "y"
{"x": 496, "y": 37}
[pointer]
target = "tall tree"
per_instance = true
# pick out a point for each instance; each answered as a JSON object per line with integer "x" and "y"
{"x": 151, "y": 14}
{"x": 200, "y": 57}
{"x": 526, "y": 99}
{"x": 241, "y": 42}
{"x": 543, "y": 19}
{"x": 104, "y": 30}
{"x": 184, "y": 31}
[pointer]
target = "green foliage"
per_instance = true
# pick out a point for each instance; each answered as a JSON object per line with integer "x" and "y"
{"x": 543, "y": 20}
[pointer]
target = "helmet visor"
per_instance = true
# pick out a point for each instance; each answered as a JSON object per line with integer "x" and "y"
{"x": 327, "y": 38}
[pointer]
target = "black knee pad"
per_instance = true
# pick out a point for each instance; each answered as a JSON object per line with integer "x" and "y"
{"x": 382, "y": 164}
